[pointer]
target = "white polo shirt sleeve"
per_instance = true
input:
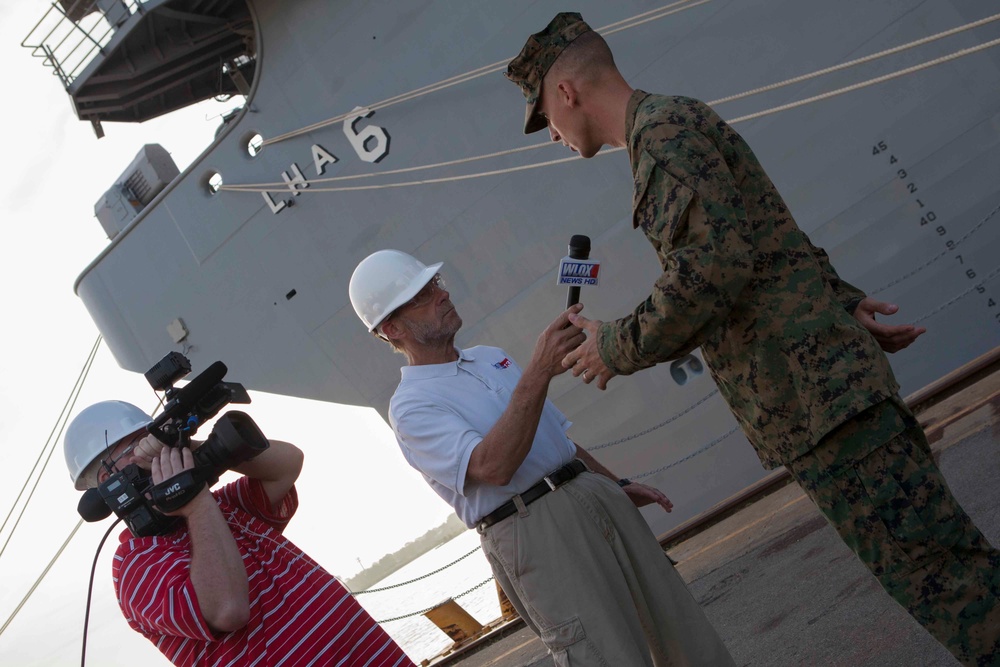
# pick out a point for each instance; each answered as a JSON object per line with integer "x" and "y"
{"x": 437, "y": 442}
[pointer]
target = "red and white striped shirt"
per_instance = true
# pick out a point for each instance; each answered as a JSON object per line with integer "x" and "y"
{"x": 299, "y": 613}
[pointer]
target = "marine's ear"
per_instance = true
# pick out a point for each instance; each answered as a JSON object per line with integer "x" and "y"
{"x": 567, "y": 93}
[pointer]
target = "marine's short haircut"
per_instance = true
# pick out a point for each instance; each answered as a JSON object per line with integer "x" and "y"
{"x": 585, "y": 59}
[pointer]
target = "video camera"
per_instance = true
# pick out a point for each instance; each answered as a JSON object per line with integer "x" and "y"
{"x": 235, "y": 438}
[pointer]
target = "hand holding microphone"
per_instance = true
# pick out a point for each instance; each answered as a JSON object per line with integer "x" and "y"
{"x": 575, "y": 271}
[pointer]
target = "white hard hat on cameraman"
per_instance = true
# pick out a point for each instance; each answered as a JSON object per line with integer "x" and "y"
{"x": 93, "y": 432}
{"x": 384, "y": 281}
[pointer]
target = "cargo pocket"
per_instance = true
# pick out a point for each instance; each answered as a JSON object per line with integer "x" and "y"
{"x": 914, "y": 515}
{"x": 570, "y": 647}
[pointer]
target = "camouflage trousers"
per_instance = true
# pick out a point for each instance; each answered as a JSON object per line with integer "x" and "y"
{"x": 892, "y": 507}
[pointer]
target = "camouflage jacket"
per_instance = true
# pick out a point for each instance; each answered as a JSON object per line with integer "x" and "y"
{"x": 741, "y": 280}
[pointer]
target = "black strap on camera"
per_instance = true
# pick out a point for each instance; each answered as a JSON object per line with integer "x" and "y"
{"x": 172, "y": 494}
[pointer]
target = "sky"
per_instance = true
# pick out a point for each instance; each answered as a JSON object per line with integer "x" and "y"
{"x": 55, "y": 170}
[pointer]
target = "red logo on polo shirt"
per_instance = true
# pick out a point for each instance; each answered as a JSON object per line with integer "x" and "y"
{"x": 500, "y": 365}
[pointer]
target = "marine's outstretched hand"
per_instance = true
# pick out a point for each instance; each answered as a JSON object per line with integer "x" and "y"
{"x": 585, "y": 361}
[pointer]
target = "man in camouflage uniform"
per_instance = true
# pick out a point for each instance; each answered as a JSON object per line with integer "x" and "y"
{"x": 793, "y": 348}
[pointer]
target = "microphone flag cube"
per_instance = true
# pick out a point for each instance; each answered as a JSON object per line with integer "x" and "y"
{"x": 577, "y": 272}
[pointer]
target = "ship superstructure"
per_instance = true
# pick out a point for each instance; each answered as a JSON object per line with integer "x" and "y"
{"x": 369, "y": 126}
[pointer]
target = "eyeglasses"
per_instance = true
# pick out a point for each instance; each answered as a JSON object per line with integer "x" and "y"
{"x": 125, "y": 452}
{"x": 424, "y": 296}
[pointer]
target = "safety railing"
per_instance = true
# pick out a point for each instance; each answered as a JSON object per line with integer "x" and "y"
{"x": 72, "y": 33}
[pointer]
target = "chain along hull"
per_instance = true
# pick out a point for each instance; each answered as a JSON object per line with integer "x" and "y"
{"x": 896, "y": 180}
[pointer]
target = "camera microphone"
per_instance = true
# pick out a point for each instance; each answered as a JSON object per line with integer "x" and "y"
{"x": 182, "y": 402}
{"x": 577, "y": 269}
{"x": 189, "y": 394}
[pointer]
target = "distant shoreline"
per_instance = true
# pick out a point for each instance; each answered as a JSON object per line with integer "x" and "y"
{"x": 389, "y": 563}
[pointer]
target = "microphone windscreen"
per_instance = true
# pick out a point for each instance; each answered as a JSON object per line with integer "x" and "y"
{"x": 579, "y": 246}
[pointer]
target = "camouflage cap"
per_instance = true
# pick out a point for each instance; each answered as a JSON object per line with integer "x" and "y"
{"x": 540, "y": 51}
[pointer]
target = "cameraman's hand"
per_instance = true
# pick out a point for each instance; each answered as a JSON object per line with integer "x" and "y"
{"x": 173, "y": 461}
{"x": 148, "y": 449}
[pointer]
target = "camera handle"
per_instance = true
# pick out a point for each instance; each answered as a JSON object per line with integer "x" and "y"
{"x": 172, "y": 494}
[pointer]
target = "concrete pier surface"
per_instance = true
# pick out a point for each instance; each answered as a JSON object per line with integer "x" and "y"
{"x": 783, "y": 590}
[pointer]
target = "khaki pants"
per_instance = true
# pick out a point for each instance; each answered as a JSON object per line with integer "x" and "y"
{"x": 893, "y": 508}
{"x": 584, "y": 571}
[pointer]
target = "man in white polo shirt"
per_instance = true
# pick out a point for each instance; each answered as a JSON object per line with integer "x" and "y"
{"x": 561, "y": 532}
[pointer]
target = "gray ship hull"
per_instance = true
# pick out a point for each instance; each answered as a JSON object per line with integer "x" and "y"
{"x": 896, "y": 180}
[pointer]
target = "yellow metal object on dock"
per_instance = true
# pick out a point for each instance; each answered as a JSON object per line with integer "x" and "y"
{"x": 454, "y": 621}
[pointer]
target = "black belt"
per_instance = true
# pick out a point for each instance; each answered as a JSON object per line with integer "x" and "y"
{"x": 550, "y": 482}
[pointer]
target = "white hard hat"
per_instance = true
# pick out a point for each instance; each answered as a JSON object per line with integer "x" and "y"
{"x": 95, "y": 431}
{"x": 384, "y": 281}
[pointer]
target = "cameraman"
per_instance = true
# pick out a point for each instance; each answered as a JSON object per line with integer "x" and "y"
{"x": 222, "y": 585}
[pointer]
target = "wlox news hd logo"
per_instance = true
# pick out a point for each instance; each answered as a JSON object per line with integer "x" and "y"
{"x": 578, "y": 271}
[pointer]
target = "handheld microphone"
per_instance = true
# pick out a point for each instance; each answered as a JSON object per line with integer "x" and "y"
{"x": 577, "y": 269}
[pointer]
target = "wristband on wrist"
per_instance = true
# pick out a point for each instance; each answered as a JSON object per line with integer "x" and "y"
{"x": 624, "y": 481}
